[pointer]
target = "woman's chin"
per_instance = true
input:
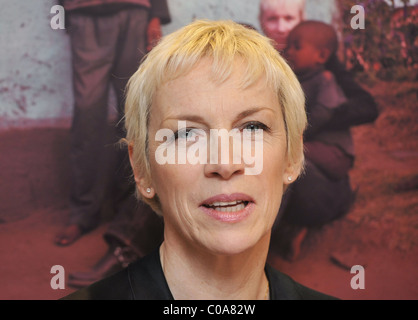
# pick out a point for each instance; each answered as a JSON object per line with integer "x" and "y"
{"x": 230, "y": 244}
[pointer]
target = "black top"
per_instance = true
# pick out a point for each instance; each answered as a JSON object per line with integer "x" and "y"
{"x": 145, "y": 280}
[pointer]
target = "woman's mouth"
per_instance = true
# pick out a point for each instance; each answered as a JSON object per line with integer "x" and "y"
{"x": 232, "y": 206}
{"x": 228, "y": 208}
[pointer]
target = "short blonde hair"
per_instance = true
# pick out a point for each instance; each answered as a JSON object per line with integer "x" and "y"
{"x": 223, "y": 42}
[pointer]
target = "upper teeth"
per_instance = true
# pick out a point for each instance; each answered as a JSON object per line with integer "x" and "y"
{"x": 224, "y": 204}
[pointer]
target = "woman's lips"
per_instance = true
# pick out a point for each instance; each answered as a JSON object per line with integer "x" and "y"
{"x": 228, "y": 208}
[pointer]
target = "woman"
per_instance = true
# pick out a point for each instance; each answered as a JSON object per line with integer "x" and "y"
{"x": 211, "y": 76}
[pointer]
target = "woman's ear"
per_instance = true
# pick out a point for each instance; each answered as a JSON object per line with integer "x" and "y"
{"x": 143, "y": 184}
{"x": 295, "y": 167}
{"x": 292, "y": 172}
{"x": 146, "y": 191}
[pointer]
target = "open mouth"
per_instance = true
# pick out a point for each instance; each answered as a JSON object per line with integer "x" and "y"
{"x": 231, "y": 206}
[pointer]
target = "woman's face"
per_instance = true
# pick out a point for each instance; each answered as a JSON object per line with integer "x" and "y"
{"x": 216, "y": 205}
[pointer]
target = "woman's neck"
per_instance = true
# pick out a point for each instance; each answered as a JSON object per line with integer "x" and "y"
{"x": 194, "y": 273}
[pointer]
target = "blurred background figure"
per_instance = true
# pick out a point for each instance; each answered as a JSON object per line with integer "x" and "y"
{"x": 329, "y": 154}
{"x": 108, "y": 40}
{"x": 278, "y": 17}
{"x": 297, "y": 211}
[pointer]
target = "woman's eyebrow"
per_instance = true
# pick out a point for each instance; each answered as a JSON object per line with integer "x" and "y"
{"x": 200, "y": 119}
{"x": 251, "y": 111}
{"x": 186, "y": 117}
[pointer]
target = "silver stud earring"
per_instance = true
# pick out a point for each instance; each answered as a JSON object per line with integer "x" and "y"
{"x": 148, "y": 190}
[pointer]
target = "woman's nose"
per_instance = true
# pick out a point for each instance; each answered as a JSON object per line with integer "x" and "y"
{"x": 224, "y": 171}
{"x": 225, "y": 158}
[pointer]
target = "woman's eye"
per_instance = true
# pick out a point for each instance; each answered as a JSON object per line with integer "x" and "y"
{"x": 181, "y": 134}
{"x": 186, "y": 133}
{"x": 252, "y": 126}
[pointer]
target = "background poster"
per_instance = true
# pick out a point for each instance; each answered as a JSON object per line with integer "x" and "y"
{"x": 380, "y": 232}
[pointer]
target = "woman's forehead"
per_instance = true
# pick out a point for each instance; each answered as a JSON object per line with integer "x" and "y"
{"x": 203, "y": 80}
{"x": 213, "y": 108}
{"x": 207, "y": 74}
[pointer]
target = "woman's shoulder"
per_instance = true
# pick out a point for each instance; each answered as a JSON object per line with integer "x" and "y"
{"x": 141, "y": 280}
{"x": 283, "y": 287}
